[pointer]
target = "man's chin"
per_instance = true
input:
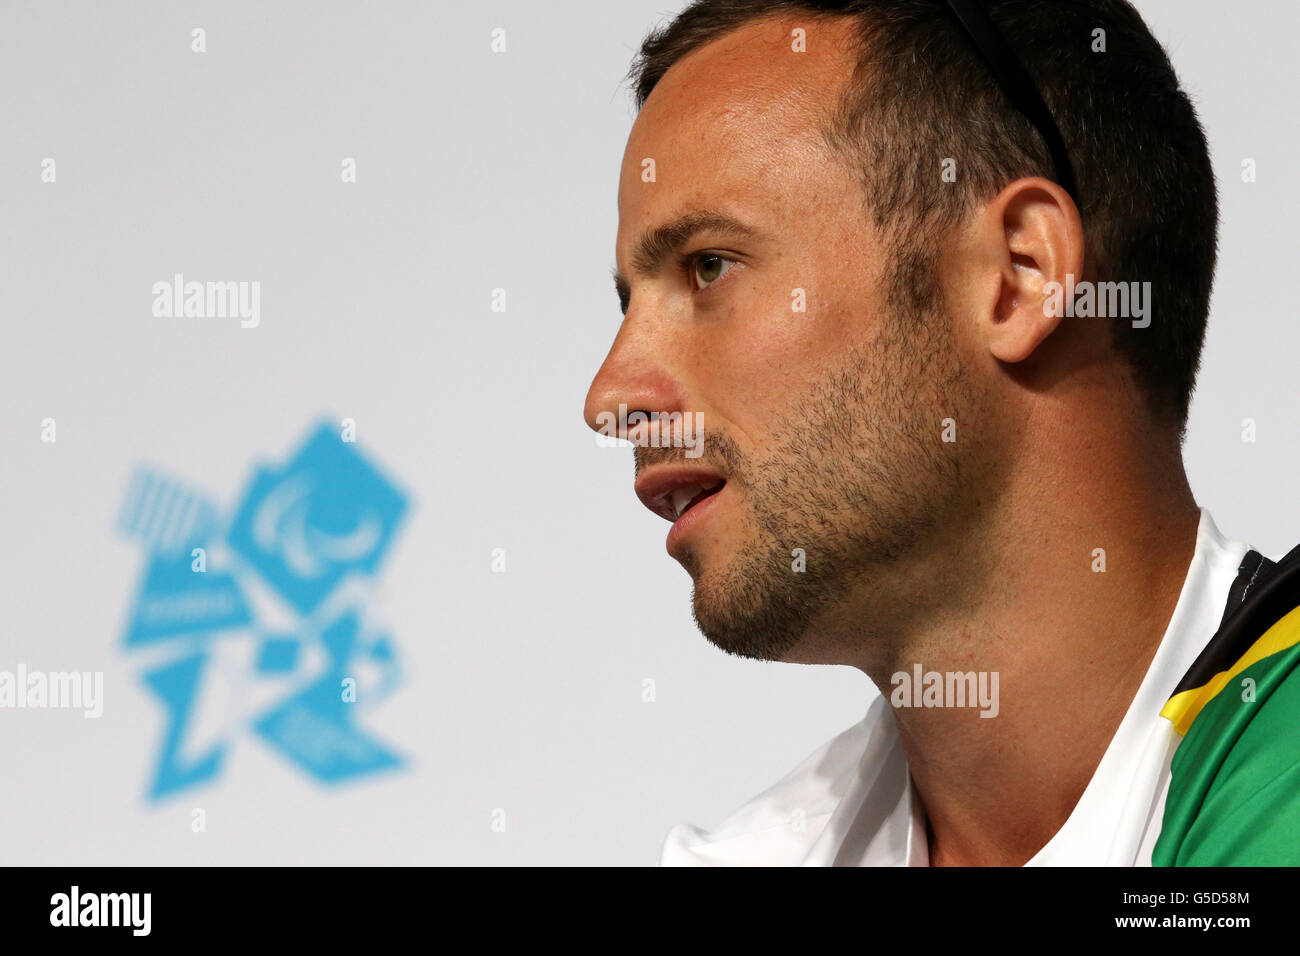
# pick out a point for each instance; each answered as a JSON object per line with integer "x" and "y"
{"x": 747, "y": 618}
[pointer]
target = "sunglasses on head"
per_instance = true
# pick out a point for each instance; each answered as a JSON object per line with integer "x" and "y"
{"x": 1016, "y": 83}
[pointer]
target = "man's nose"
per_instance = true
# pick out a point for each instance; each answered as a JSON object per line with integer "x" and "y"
{"x": 631, "y": 379}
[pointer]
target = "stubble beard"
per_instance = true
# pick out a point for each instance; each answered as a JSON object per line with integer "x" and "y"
{"x": 859, "y": 476}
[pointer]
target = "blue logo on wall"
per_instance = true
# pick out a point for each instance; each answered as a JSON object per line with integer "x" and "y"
{"x": 262, "y": 624}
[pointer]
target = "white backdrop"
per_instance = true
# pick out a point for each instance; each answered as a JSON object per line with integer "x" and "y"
{"x": 520, "y": 719}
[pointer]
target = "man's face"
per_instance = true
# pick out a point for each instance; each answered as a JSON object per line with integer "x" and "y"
{"x": 821, "y": 396}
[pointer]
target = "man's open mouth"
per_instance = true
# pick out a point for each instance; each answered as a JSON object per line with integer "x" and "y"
{"x": 672, "y": 491}
{"x": 684, "y": 499}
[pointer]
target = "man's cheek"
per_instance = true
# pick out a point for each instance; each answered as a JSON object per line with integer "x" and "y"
{"x": 765, "y": 372}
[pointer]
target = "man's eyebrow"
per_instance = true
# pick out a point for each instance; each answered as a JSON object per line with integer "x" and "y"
{"x": 659, "y": 243}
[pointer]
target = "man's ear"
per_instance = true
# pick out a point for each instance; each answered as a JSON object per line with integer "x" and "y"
{"x": 1033, "y": 236}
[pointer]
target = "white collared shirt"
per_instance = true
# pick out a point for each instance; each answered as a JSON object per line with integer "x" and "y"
{"x": 852, "y": 802}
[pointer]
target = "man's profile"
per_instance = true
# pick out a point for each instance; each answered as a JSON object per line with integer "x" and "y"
{"x": 943, "y": 362}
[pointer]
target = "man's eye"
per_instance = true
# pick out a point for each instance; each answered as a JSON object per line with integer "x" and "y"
{"x": 707, "y": 268}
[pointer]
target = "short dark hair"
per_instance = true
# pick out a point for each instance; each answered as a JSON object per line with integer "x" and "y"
{"x": 919, "y": 92}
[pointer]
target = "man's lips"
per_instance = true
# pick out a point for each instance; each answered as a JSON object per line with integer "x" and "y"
{"x": 672, "y": 490}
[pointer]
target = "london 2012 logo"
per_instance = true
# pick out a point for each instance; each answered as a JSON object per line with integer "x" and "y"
{"x": 258, "y": 623}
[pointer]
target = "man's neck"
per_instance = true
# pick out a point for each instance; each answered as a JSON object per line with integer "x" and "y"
{"x": 1075, "y": 594}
